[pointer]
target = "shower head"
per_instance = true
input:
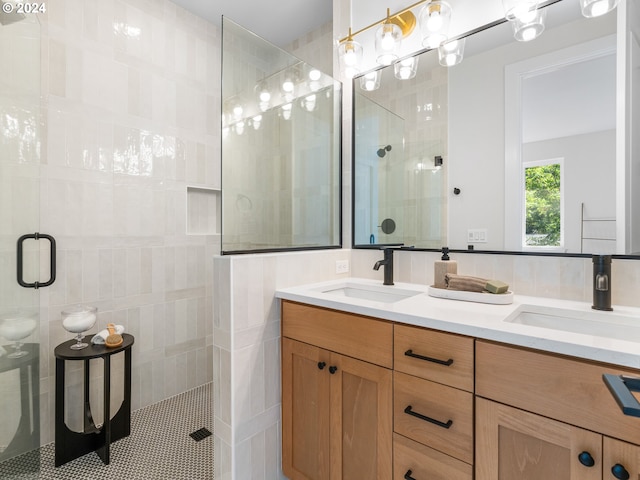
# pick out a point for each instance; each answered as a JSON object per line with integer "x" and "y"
{"x": 383, "y": 151}
{"x": 11, "y": 17}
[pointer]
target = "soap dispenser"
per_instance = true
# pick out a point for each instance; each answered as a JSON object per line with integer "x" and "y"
{"x": 442, "y": 267}
{"x": 601, "y": 282}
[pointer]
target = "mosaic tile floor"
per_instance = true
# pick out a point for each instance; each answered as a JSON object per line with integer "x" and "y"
{"x": 160, "y": 447}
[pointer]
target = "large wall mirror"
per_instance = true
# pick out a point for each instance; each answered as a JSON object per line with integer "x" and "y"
{"x": 521, "y": 147}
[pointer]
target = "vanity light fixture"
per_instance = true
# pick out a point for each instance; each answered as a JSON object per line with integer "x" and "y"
{"x": 434, "y": 23}
{"x": 350, "y": 56}
{"x": 370, "y": 81}
{"x": 596, "y": 8}
{"x": 388, "y": 41}
{"x": 451, "y": 53}
{"x": 393, "y": 27}
{"x": 406, "y": 68}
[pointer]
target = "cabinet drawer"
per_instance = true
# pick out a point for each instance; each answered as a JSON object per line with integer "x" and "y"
{"x": 434, "y": 403}
{"x": 353, "y": 335}
{"x": 425, "y": 463}
{"x": 563, "y": 388}
{"x": 411, "y": 343}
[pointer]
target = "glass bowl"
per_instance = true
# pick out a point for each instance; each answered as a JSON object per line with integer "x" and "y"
{"x": 78, "y": 319}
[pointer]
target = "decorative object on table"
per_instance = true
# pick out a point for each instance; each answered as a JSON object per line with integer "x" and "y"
{"x": 100, "y": 338}
{"x": 16, "y": 327}
{"x": 114, "y": 339}
{"x": 79, "y": 319}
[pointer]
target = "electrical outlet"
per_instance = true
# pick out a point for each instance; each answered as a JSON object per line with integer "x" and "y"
{"x": 342, "y": 266}
{"x": 477, "y": 235}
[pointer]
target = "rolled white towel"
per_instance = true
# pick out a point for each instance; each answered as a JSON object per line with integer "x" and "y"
{"x": 101, "y": 337}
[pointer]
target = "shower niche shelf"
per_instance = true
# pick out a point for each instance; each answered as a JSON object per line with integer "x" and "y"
{"x": 203, "y": 210}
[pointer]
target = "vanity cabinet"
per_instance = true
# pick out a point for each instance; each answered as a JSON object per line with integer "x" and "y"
{"x": 512, "y": 444}
{"x": 336, "y": 409}
{"x": 433, "y": 404}
{"x": 540, "y": 415}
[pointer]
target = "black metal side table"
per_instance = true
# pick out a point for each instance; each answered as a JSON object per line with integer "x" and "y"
{"x": 27, "y": 436}
{"x": 71, "y": 445}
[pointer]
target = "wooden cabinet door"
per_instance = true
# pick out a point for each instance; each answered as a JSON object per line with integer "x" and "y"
{"x": 620, "y": 460}
{"x": 305, "y": 411}
{"x": 514, "y": 444}
{"x": 361, "y": 420}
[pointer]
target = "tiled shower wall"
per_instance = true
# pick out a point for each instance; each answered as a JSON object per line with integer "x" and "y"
{"x": 131, "y": 106}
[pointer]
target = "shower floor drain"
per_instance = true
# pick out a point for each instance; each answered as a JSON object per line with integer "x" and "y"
{"x": 200, "y": 434}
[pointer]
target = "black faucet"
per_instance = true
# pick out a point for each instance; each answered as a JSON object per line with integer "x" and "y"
{"x": 387, "y": 262}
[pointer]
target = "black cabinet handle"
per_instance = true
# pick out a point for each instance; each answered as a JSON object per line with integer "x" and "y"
{"x": 52, "y": 259}
{"x": 333, "y": 369}
{"x": 409, "y": 353}
{"x": 409, "y": 411}
{"x": 619, "y": 472}
{"x": 407, "y": 476}
{"x": 586, "y": 459}
{"x": 321, "y": 365}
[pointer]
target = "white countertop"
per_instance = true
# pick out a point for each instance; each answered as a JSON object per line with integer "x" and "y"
{"x": 483, "y": 320}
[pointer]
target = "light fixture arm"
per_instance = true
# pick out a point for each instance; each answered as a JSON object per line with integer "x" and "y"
{"x": 383, "y": 20}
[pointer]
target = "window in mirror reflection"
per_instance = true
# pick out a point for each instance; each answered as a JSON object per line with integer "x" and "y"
{"x": 543, "y": 204}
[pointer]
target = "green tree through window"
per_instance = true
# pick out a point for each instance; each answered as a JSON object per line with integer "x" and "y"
{"x": 542, "y": 206}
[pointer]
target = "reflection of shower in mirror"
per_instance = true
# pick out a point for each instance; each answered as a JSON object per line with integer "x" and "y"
{"x": 382, "y": 151}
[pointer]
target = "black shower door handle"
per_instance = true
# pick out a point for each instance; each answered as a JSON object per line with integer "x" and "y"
{"x": 52, "y": 258}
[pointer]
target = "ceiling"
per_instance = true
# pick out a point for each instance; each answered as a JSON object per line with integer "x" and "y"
{"x": 278, "y": 21}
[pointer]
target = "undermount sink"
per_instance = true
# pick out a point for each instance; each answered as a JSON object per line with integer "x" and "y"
{"x": 376, "y": 293}
{"x": 596, "y": 323}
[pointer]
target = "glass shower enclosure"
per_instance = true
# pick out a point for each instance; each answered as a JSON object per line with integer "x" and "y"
{"x": 20, "y": 160}
{"x": 280, "y": 148}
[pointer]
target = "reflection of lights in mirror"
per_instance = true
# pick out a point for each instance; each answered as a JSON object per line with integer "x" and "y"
{"x": 315, "y": 75}
{"x": 596, "y": 8}
{"x": 406, "y": 69}
{"x": 287, "y": 90}
{"x": 309, "y": 103}
{"x": 314, "y": 79}
{"x": 237, "y": 112}
{"x": 518, "y": 8}
{"x": 240, "y": 127}
{"x": 265, "y": 98}
{"x": 529, "y": 26}
{"x": 370, "y": 81}
{"x": 256, "y": 121}
{"x": 286, "y": 111}
{"x": 451, "y": 53}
